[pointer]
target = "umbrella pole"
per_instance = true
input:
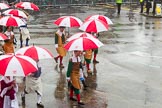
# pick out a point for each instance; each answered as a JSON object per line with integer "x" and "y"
{"x": 68, "y": 32}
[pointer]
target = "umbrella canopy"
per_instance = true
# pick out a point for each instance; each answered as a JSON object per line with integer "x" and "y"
{"x": 16, "y": 65}
{"x": 11, "y": 21}
{"x": 94, "y": 25}
{"x": 100, "y": 17}
{"x": 81, "y": 34}
{"x": 35, "y": 52}
{"x": 27, "y": 5}
{"x": 68, "y": 21}
{"x": 4, "y": 6}
{"x": 15, "y": 12}
{"x": 3, "y": 36}
{"x": 83, "y": 43}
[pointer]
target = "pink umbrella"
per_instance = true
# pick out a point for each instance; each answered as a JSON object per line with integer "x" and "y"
{"x": 94, "y": 25}
{"x": 16, "y": 65}
{"x": 35, "y": 52}
{"x": 100, "y": 17}
{"x": 81, "y": 34}
{"x": 4, "y": 6}
{"x": 3, "y": 36}
{"x": 68, "y": 21}
{"x": 83, "y": 43}
{"x": 11, "y": 21}
{"x": 15, "y": 12}
{"x": 27, "y": 5}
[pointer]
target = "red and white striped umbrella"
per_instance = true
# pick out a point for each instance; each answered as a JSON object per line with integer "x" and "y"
{"x": 83, "y": 43}
{"x": 68, "y": 21}
{"x": 35, "y": 52}
{"x": 3, "y": 36}
{"x": 15, "y": 12}
{"x": 27, "y": 5}
{"x": 4, "y": 6}
{"x": 11, "y": 21}
{"x": 80, "y": 34}
{"x": 16, "y": 65}
{"x": 100, "y": 17}
{"x": 94, "y": 25}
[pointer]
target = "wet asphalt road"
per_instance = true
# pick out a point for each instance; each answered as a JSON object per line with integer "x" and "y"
{"x": 129, "y": 72}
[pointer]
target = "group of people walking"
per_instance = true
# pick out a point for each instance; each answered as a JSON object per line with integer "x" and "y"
{"x": 74, "y": 73}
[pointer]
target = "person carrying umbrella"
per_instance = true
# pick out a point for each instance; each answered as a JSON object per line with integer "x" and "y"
{"x": 8, "y": 46}
{"x": 34, "y": 84}
{"x": 73, "y": 76}
{"x": 59, "y": 44}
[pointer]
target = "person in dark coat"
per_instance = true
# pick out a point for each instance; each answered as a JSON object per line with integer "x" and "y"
{"x": 148, "y": 6}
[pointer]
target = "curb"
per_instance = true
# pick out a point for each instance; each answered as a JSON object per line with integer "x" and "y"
{"x": 151, "y": 16}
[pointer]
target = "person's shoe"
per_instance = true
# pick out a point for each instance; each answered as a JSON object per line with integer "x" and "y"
{"x": 61, "y": 66}
{"x": 40, "y": 105}
{"x": 81, "y": 103}
{"x": 95, "y": 61}
{"x": 56, "y": 60}
{"x": 72, "y": 99}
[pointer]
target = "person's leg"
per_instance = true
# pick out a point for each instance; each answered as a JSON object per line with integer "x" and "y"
{"x": 77, "y": 92}
{"x": 95, "y": 55}
{"x": 27, "y": 42}
{"x": 141, "y": 7}
{"x": 71, "y": 94}
{"x": 56, "y": 58}
{"x": 23, "y": 96}
{"x": 21, "y": 43}
{"x": 118, "y": 8}
{"x": 61, "y": 64}
{"x": 84, "y": 84}
{"x": 39, "y": 100}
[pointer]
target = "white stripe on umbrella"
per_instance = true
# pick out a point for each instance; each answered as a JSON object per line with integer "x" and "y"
{"x": 16, "y": 65}
{"x": 11, "y": 21}
{"x": 83, "y": 43}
